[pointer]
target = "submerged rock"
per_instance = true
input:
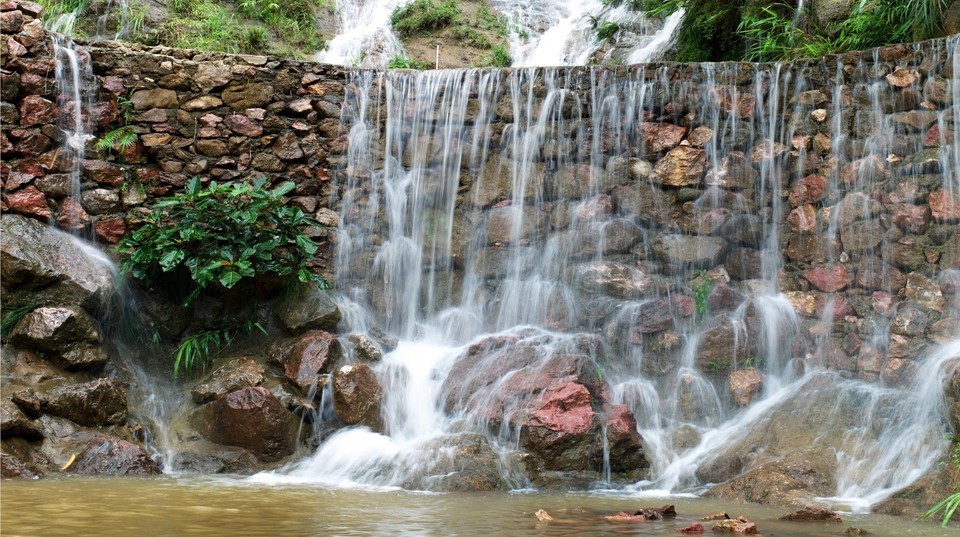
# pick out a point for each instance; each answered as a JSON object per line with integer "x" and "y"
{"x": 109, "y": 455}
{"x": 813, "y": 514}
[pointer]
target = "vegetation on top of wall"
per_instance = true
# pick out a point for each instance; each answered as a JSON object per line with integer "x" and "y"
{"x": 422, "y": 16}
{"x": 220, "y": 234}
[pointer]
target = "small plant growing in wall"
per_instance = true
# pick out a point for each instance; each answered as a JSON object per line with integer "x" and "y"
{"x": 123, "y": 136}
{"x": 701, "y": 286}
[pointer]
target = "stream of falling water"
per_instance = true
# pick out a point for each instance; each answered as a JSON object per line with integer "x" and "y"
{"x": 472, "y": 205}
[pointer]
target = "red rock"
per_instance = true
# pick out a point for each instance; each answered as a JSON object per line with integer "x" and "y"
{"x": 829, "y": 278}
{"x": 657, "y": 137}
{"x": 839, "y": 307}
{"x": 745, "y": 384}
{"x": 110, "y": 230}
{"x": 28, "y": 201}
{"x": 113, "y": 85}
{"x": 15, "y": 49}
{"x": 596, "y": 208}
{"x": 565, "y": 409}
{"x": 35, "y": 110}
{"x": 935, "y": 138}
{"x": 356, "y": 396}
{"x": 803, "y": 219}
{"x": 624, "y": 443}
{"x": 731, "y": 101}
{"x": 737, "y": 525}
{"x": 808, "y": 190}
{"x": 313, "y": 353}
{"x": 242, "y": 125}
{"x": 682, "y": 166}
{"x": 621, "y": 518}
{"x": 108, "y": 455}
{"x": 56, "y": 160}
{"x": 253, "y": 419}
{"x": 913, "y": 218}
{"x": 692, "y": 528}
{"x": 945, "y": 206}
{"x": 103, "y": 172}
{"x": 883, "y": 303}
{"x": 72, "y": 216}
{"x": 31, "y": 144}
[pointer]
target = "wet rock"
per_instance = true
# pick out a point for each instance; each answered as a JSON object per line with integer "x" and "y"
{"x": 110, "y": 230}
{"x": 743, "y": 229}
{"x": 734, "y": 172}
{"x": 242, "y": 125}
{"x": 692, "y": 528}
{"x": 944, "y": 206}
{"x": 686, "y": 250}
{"x": 682, "y": 166}
{"x": 918, "y": 120}
{"x": 55, "y": 329}
{"x": 856, "y": 206}
{"x": 95, "y": 403}
{"x": 249, "y": 95}
{"x": 154, "y": 98}
{"x": 109, "y": 455}
{"x": 501, "y": 221}
{"x": 625, "y": 445}
{"x": 745, "y": 384}
{"x": 35, "y": 110}
{"x": 862, "y": 236}
{"x": 808, "y": 190}
{"x": 657, "y": 137}
{"x": 72, "y": 216}
{"x": 813, "y": 514}
{"x": 287, "y": 147}
{"x": 614, "y": 279}
{"x": 910, "y": 320}
{"x": 720, "y": 346}
{"x": 558, "y": 431}
{"x": 653, "y": 316}
{"x": 925, "y": 292}
{"x": 456, "y": 463}
{"x": 901, "y": 77}
{"x": 83, "y": 357}
{"x": 778, "y": 483}
{"x": 738, "y": 525}
{"x": 313, "y": 353}
{"x": 356, "y": 396}
{"x": 803, "y": 219}
{"x": 236, "y": 374}
{"x": 625, "y": 518}
{"x": 648, "y": 203}
{"x": 307, "y": 306}
{"x": 13, "y": 468}
{"x": 100, "y": 201}
{"x": 365, "y": 348}
{"x": 28, "y": 201}
{"x": 251, "y": 418}
{"x": 829, "y": 279}
{"x": 13, "y": 422}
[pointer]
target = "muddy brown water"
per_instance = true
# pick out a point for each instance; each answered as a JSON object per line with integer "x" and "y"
{"x": 225, "y": 506}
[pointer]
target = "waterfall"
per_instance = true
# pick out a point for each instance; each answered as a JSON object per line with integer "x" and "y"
{"x": 364, "y": 37}
{"x": 521, "y": 205}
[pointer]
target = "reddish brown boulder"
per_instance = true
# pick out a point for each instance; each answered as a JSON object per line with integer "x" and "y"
{"x": 109, "y": 455}
{"x": 682, "y": 166}
{"x": 808, "y": 190}
{"x": 251, "y": 418}
{"x": 813, "y": 514}
{"x": 692, "y": 528}
{"x": 103, "y": 172}
{"x": 30, "y": 143}
{"x": 356, "y": 396}
{"x": 95, "y": 403}
{"x": 110, "y": 230}
{"x": 35, "y": 110}
{"x": 944, "y": 206}
{"x": 308, "y": 356}
{"x": 745, "y": 384}
{"x": 657, "y": 137}
{"x": 28, "y": 201}
{"x": 830, "y": 278}
{"x": 13, "y": 468}
{"x": 559, "y": 429}
{"x": 803, "y": 219}
{"x": 242, "y": 125}
{"x": 72, "y": 216}
{"x": 624, "y": 443}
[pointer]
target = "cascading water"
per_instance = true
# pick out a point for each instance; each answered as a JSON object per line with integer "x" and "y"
{"x": 490, "y": 210}
{"x": 364, "y": 38}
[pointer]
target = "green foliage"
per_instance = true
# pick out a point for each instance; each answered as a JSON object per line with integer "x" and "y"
{"x": 470, "y": 36}
{"x": 131, "y": 20}
{"x": 771, "y": 35}
{"x": 221, "y": 234}
{"x": 606, "y": 31}
{"x": 13, "y": 315}
{"x": 500, "y": 57}
{"x": 718, "y": 366}
{"x": 54, "y": 8}
{"x": 198, "y": 350}
{"x": 118, "y": 139}
{"x": 949, "y": 505}
{"x": 422, "y": 16}
{"x": 701, "y": 285}
{"x": 401, "y": 61}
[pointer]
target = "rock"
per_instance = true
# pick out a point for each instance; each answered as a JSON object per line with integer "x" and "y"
{"x": 55, "y": 329}
{"x": 243, "y": 126}
{"x": 72, "y": 216}
{"x": 13, "y": 468}
{"x": 624, "y": 443}
{"x": 621, "y": 518}
{"x": 777, "y": 483}
{"x": 743, "y": 229}
{"x": 13, "y": 422}
{"x": 313, "y": 353}
{"x": 721, "y": 345}
{"x": 28, "y": 201}
{"x": 745, "y": 384}
{"x": 944, "y": 207}
{"x": 692, "y": 528}
{"x": 862, "y": 236}
{"x": 812, "y": 514}
{"x": 154, "y": 98}
{"x": 356, "y": 396}
{"x": 910, "y": 320}
{"x": 307, "y": 306}
{"x": 201, "y": 103}
{"x": 95, "y": 403}
{"x": 251, "y": 418}
{"x": 365, "y": 348}
{"x": 854, "y": 207}
{"x": 829, "y": 278}
{"x": 686, "y": 250}
{"x": 734, "y": 172}
{"x": 803, "y": 219}
{"x": 736, "y": 525}
{"x": 558, "y": 431}
{"x": 614, "y": 279}
{"x": 808, "y": 190}
{"x": 901, "y": 77}
{"x": 501, "y": 220}
{"x": 925, "y": 292}
{"x": 109, "y": 455}
{"x": 456, "y": 463}
{"x": 110, "y": 230}
{"x": 211, "y": 75}
{"x": 35, "y": 110}
{"x": 918, "y": 120}
{"x": 236, "y": 374}
{"x": 649, "y": 204}
{"x": 248, "y": 95}
{"x": 768, "y": 150}
{"x": 100, "y": 201}
{"x": 653, "y": 316}
{"x": 682, "y": 166}
{"x": 657, "y": 137}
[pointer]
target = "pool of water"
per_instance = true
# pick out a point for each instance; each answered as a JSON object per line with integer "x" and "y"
{"x": 238, "y": 507}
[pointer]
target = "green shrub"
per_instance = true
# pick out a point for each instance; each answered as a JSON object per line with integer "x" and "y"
{"x": 949, "y": 505}
{"x": 221, "y": 234}
{"x": 13, "y": 315}
{"x": 500, "y": 57}
{"x": 198, "y": 350}
{"x": 606, "y": 31}
{"x": 401, "y": 61}
{"x": 422, "y": 16}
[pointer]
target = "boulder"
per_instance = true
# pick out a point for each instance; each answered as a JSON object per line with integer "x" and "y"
{"x": 624, "y": 443}
{"x": 307, "y": 306}
{"x": 365, "y": 348}
{"x": 13, "y": 468}
{"x": 829, "y": 279}
{"x": 790, "y": 482}
{"x": 251, "y": 418}
{"x": 109, "y": 455}
{"x": 28, "y": 201}
{"x": 810, "y": 513}
{"x": 614, "y": 279}
{"x": 65, "y": 270}
{"x": 688, "y": 250}
{"x": 682, "y": 166}
{"x": 236, "y": 374}
{"x": 733, "y": 172}
{"x": 56, "y": 329}
{"x": 356, "y": 396}
{"x": 154, "y": 98}
{"x": 745, "y": 384}
{"x": 95, "y": 403}
{"x": 559, "y": 430}
{"x": 456, "y": 463}
{"x": 13, "y": 422}
{"x": 310, "y": 355}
